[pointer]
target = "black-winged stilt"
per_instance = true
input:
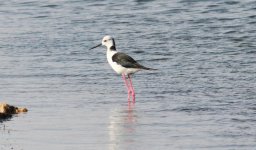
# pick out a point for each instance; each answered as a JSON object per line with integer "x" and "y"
{"x": 122, "y": 64}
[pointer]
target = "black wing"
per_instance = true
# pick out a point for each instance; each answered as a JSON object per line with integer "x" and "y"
{"x": 126, "y": 61}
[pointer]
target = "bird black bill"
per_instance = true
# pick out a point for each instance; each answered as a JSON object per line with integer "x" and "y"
{"x": 95, "y": 47}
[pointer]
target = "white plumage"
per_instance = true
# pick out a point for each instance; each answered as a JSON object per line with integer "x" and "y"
{"x": 119, "y": 69}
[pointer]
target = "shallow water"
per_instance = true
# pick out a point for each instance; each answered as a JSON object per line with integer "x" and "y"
{"x": 202, "y": 96}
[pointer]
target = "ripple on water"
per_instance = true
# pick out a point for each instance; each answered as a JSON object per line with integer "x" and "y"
{"x": 201, "y": 96}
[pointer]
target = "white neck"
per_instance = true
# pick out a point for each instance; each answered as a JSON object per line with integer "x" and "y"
{"x": 110, "y": 53}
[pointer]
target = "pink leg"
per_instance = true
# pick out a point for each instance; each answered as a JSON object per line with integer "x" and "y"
{"x": 132, "y": 89}
{"x": 127, "y": 86}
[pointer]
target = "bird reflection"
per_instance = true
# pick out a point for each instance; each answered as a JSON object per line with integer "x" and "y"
{"x": 122, "y": 128}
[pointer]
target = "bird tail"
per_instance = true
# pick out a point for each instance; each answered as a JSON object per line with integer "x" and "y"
{"x": 146, "y": 68}
{"x": 139, "y": 66}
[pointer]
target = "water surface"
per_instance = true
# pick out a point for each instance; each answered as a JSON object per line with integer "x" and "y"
{"x": 201, "y": 97}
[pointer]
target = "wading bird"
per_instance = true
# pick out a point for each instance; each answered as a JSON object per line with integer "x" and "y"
{"x": 122, "y": 64}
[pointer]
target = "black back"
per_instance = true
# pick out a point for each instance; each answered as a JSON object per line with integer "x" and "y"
{"x": 126, "y": 61}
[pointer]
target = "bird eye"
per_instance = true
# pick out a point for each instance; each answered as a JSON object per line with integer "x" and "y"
{"x": 105, "y": 40}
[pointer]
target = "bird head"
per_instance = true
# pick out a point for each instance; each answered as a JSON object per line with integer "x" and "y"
{"x": 107, "y": 41}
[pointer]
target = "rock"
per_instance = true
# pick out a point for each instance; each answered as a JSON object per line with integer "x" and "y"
{"x": 4, "y": 116}
{"x": 7, "y": 110}
{"x": 20, "y": 110}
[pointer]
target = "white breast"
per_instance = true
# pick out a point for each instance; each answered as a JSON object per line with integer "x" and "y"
{"x": 118, "y": 68}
